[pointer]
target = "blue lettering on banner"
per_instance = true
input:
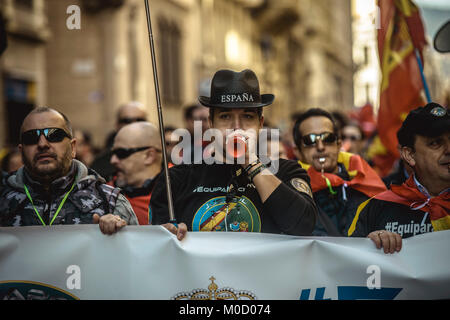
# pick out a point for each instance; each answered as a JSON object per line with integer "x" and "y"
{"x": 354, "y": 293}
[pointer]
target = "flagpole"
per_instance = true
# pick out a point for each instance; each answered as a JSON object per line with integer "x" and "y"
{"x": 160, "y": 116}
{"x": 422, "y": 75}
{"x": 407, "y": 10}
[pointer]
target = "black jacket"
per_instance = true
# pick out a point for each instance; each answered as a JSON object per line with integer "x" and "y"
{"x": 375, "y": 214}
{"x": 200, "y": 194}
{"x": 89, "y": 195}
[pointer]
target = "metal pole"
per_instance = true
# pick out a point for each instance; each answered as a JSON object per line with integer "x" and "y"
{"x": 160, "y": 116}
{"x": 422, "y": 75}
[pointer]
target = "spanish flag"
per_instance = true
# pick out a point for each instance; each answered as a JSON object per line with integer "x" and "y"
{"x": 401, "y": 32}
{"x": 407, "y": 194}
{"x": 362, "y": 177}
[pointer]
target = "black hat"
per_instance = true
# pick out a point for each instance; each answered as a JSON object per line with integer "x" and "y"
{"x": 431, "y": 120}
{"x": 231, "y": 89}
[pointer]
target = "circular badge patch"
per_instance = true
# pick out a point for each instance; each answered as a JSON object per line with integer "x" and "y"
{"x": 29, "y": 290}
{"x": 240, "y": 215}
{"x": 438, "y": 111}
{"x": 302, "y": 186}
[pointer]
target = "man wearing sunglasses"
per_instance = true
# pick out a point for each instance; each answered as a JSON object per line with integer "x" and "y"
{"x": 352, "y": 138}
{"x": 231, "y": 196}
{"x": 127, "y": 113}
{"x": 422, "y": 203}
{"x": 137, "y": 158}
{"x": 340, "y": 181}
{"x": 54, "y": 188}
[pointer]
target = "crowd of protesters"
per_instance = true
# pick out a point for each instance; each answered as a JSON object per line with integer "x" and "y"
{"x": 320, "y": 180}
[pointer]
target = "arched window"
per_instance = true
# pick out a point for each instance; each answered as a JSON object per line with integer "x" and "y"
{"x": 170, "y": 57}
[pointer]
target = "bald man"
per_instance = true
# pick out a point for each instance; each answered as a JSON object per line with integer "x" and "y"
{"x": 127, "y": 113}
{"x": 54, "y": 188}
{"x": 137, "y": 158}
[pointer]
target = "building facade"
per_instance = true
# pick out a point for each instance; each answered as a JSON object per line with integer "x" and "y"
{"x": 301, "y": 51}
{"x": 367, "y": 74}
{"x": 23, "y": 78}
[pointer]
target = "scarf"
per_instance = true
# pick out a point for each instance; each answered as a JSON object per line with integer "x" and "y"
{"x": 408, "y": 194}
{"x": 362, "y": 177}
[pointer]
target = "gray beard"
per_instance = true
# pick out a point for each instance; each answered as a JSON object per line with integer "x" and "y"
{"x": 46, "y": 177}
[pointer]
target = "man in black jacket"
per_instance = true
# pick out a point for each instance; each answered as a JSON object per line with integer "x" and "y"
{"x": 422, "y": 203}
{"x": 54, "y": 188}
{"x": 243, "y": 194}
{"x": 340, "y": 181}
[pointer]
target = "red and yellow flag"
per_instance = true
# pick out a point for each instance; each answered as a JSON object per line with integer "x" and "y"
{"x": 362, "y": 177}
{"x": 407, "y": 194}
{"x": 401, "y": 32}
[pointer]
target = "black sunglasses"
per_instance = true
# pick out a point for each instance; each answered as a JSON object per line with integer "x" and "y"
{"x": 31, "y": 137}
{"x": 123, "y": 153}
{"x": 130, "y": 120}
{"x": 326, "y": 137}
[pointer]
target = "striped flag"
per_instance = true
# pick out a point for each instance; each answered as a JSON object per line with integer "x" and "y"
{"x": 401, "y": 33}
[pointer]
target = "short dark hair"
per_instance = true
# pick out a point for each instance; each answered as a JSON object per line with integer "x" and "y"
{"x": 356, "y": 125}
{"x": 258, "y": 110}
{"x": 169, "y": 129}
{"x": 431, "y": 120}
{"x": 5, "y": 161}
{"x": 313, "y": 112}
{"x": 189, "y": 111}
{"x": 47, "y": 109}
{"x": 340, "y": 118}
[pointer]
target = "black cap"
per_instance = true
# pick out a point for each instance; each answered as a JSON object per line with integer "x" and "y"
{"x": 431, "y": 120}
{"x": 230, "y": 89}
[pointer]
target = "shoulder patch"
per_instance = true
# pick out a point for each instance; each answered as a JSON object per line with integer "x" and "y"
{"x": 301, "y": 186}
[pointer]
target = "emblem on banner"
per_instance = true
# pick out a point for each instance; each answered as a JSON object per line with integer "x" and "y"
{"x": 30, "y": 290}
{"x": 215, "y": 293}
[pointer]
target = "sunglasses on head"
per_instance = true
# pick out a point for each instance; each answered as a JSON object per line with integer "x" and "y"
{"x": 326, "y": 137}
{"x": 130, "y": 120}
{"x": 31, "y": 137}
{"x": 123, "y": 153}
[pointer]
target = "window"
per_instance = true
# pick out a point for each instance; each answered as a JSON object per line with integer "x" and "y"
{"x": 170, "y": 55}
{"x": 19, "y": 97}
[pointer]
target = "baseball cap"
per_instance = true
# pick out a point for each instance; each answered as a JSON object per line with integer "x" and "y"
{"x": 432, "y": 120}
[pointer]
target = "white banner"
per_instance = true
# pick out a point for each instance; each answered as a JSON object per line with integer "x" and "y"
{"x": 147, "y": 262}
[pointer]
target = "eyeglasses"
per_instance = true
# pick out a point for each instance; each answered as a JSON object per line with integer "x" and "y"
{"x": 123, "y": 153}
{"x": 32, "y": 137}
{"x": 350, "y": 137}
{"x": 311, "y": 139}
{"x": 130, "y": 120}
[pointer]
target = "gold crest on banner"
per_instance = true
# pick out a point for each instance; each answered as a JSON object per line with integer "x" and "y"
{"x": 215, "y": 293}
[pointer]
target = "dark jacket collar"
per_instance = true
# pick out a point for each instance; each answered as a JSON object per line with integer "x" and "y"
{"x": 146, "y": 188}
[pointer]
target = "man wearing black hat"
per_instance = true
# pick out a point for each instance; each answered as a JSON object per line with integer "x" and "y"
{"x": 422, "y": 203}
{"x": 245, "y": 195}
